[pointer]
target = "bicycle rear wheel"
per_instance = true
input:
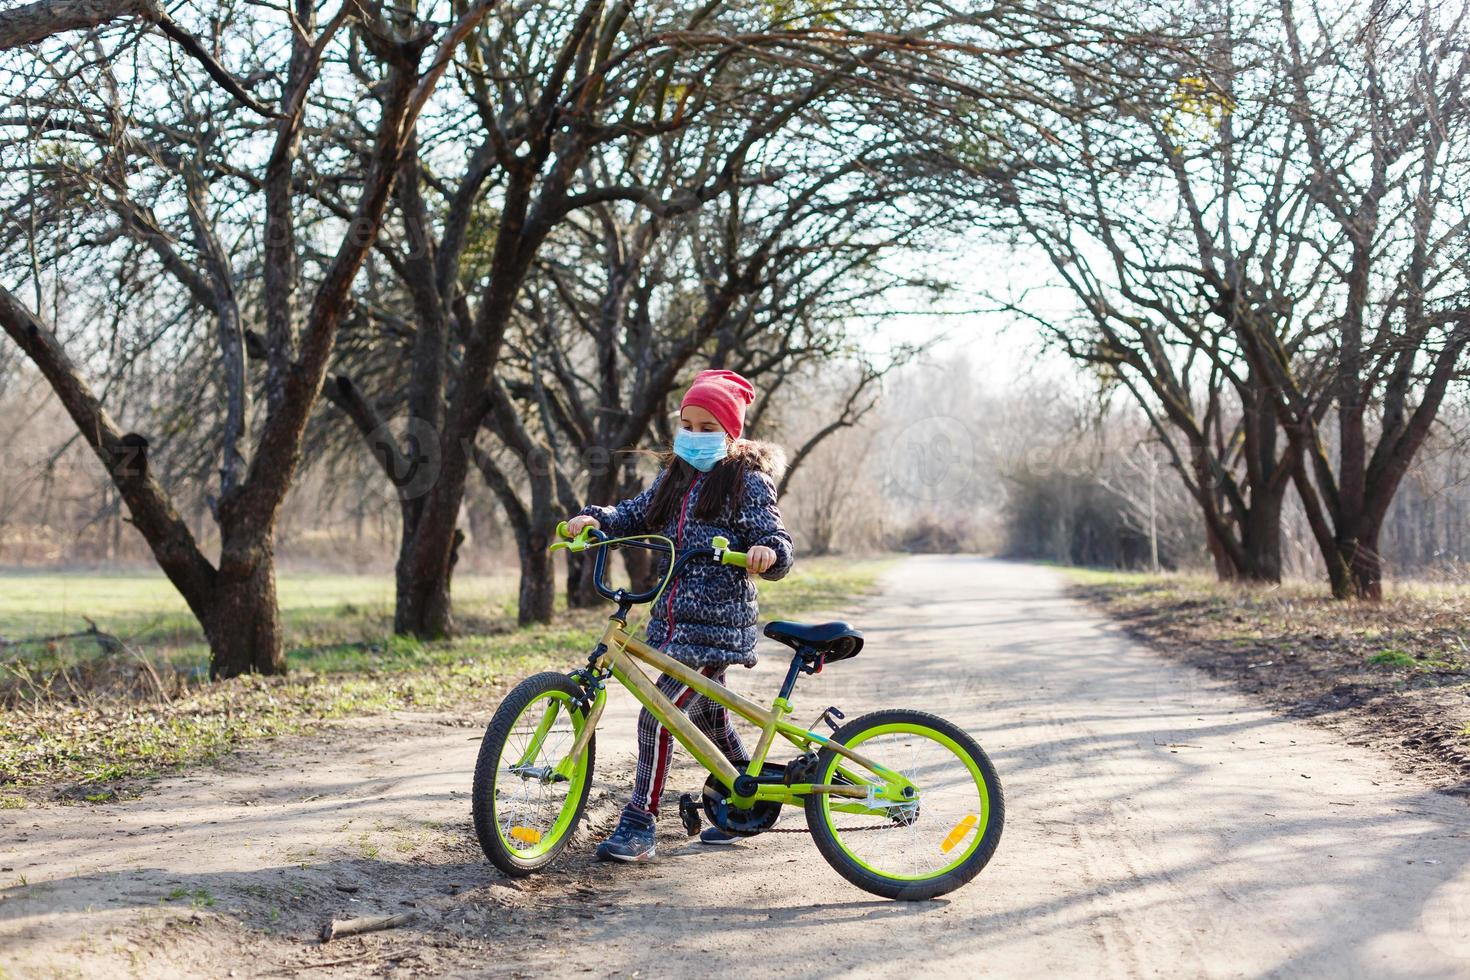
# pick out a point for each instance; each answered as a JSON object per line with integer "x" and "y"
{"x": 917, "y": 849}
{"x": 524, "y": 811}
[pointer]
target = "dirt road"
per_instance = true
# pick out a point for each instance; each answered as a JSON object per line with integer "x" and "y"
{"x": 1158, "y": 825}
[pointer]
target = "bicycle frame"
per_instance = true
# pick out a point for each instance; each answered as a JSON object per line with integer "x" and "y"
{"x": 618, "y": 655}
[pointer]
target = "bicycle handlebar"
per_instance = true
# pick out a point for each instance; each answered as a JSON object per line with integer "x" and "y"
{"x": 591, "y": 537}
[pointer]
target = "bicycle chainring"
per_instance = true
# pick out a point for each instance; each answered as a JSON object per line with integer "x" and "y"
{"x": 734, "y": 820}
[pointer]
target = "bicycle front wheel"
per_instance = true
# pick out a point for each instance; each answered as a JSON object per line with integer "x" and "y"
{"x": 917, "y": 849}
{"x": 525, "y": 810}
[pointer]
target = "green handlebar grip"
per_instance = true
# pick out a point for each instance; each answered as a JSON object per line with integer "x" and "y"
{"x": 721, "y": 544}
{"x": 578, "y": 543}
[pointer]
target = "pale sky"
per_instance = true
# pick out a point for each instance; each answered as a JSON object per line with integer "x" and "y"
{"x": 1002, "y": 348}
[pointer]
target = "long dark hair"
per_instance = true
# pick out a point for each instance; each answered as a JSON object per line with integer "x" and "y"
{"x": 719, "y": 495}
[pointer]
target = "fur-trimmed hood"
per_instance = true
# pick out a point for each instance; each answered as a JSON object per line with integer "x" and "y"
{"x": 763, "y": 457}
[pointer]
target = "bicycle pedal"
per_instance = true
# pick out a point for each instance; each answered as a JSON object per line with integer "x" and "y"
{"x": 689, "y": 814}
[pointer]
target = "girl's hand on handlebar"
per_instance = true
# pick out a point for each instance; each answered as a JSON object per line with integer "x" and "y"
{"x": 581, "y": 521}
{"x": 759, "y": 558}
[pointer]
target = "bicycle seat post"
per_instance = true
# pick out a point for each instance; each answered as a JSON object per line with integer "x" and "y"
{"x": 789, "y": 684}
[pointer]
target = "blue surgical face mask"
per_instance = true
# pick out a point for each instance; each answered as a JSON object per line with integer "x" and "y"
{"x": 701, "y": 450}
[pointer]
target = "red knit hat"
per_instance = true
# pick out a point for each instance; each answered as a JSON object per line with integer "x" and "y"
{"x": 724, "y": 394}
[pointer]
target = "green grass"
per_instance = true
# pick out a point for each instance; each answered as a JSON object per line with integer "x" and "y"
{"x": 342, "y": 657}
{"x": 318, "y": 612}
{"x": 199, "y": 898}
{"x": 1123, "y": 580}
{"x": 1392, "y": 658}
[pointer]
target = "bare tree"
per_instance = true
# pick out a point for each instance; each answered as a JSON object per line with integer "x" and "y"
{"x": 35, "y": 22}
{"x": 1141, "y": 275}
{"x": 759, "y": 281}
{"x": 554, "y": 86}
{"x": 548, "y": 89}
{"x": 1282, "y": 226}
{"x": 1395, "y": 189}
{"x": 235, "y": 597}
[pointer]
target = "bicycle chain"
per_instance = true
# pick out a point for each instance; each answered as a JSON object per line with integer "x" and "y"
{"x": 845, "y": 830}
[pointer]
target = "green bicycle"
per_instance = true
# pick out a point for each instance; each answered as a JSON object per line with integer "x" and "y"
{"x": 901, "y": 803}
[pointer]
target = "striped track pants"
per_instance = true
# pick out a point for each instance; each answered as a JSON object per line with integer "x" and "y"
{"x": 655, "y": 744}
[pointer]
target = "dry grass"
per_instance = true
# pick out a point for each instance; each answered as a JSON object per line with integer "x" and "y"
{"x": 85, "y": 716}
{"x": 1398, "y": 670}
{"x": 1417, "y": 629}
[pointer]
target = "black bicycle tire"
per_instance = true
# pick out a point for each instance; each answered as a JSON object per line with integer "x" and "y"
{"x": 910, "y": 891}
{"x": 482, "y": 793}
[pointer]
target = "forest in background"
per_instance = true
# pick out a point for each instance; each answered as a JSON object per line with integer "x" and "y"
{"x": 431, "y": 277}
{"x": 939, "y": 464}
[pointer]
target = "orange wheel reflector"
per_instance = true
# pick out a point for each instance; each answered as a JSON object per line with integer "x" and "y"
{"x": 958, "y": 834}
{"x": 529, "y": 835}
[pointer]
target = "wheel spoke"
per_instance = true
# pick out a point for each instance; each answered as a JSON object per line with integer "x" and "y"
{"x": 951, "y": 806}
{"x": 524, "y": 809}
{"x": 528, "y": 804}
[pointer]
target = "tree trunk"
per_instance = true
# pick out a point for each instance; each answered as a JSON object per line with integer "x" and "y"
{"x": 1359, "y": 567}
{"x": 244, "y": 623}
{"x": 640, "y": 565}
{"x": 1220, "y": 535}
{"x": 35, "y": 22}
{"x": 531, "y": 525}
{"x": 516, "y": 240}
{"x": 1367, "y": 570}
{"x": 538, "y": 576}
{"x": 581, "y": 593}
{"x": 423, "y": 608}
{"x": 1262, "y": 535}
{"x": 533, "y": 541}
{"x": 1224, "y": 567}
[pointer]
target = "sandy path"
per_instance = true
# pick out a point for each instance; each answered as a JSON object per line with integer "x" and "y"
{"x": 1157, "y": 825}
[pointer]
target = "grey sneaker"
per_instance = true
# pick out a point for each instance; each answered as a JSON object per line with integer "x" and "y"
{"x": 714, "y": 835}
{"x": 632, "y": 841}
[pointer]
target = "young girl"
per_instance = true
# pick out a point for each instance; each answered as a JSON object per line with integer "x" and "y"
{"x": 714, "y": 483}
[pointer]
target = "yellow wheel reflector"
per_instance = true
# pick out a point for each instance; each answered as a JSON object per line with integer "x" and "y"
{"x": 955, "y": 836}
{"x": 529, "y": 835}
